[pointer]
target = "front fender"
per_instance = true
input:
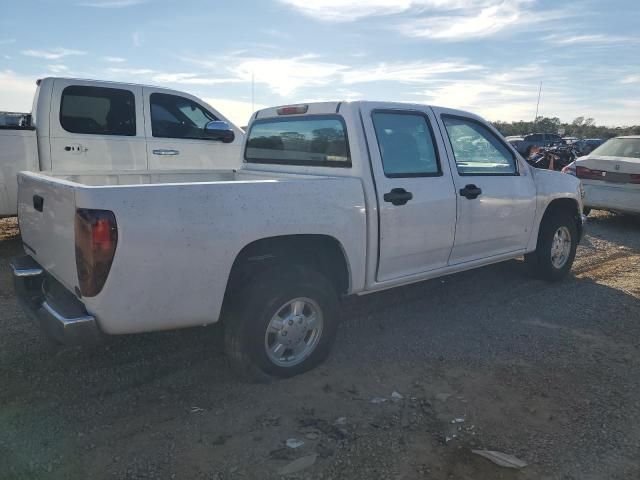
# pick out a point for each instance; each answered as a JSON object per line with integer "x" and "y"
{"x": 552, "y": 186}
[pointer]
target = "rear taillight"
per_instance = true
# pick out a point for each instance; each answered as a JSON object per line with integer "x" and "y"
{"x": 96, "y": 234}
{"x": 589, "y": 174}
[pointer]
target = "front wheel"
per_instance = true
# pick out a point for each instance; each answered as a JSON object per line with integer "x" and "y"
{"x": 556, "y": 248}
{"x": 283, "y": 323}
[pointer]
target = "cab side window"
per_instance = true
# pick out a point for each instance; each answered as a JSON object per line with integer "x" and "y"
{"x": 98, "y": 111}
{"x": 173, "y": 116}
{"x": 406, "y": 144}
{"x": 477, "y": 150}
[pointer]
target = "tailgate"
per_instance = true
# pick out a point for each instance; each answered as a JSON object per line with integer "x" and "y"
{"x": 46, "y": 211}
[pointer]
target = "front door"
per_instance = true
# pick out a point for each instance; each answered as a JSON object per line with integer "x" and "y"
{"x": 416, "y": 199}
{"x": 175, "y": 139}
{"x": 496, "y": 191}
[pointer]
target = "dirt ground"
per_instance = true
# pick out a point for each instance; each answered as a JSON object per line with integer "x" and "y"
{"x": 548, "y": 373}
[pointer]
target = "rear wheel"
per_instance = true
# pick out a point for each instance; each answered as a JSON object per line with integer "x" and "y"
{"x": 556, "y": 248}
{"x": 283, "y": 323}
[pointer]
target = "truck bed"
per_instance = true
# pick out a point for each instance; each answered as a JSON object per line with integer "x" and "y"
{"x": 183, "y": 236}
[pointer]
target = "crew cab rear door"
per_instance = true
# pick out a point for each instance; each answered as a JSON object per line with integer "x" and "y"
{"x": 416, "y": 198}
{"x": 495, "y": 190}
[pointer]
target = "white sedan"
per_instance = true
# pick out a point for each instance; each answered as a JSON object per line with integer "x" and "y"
{"x": 611, "y": 175}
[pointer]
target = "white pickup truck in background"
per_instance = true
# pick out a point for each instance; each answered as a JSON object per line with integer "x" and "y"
{"x": 332, "y": 199}
{"x": 89, "y": 131}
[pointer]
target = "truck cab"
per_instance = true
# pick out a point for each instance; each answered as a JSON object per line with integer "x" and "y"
{"x": 89, "y": 129}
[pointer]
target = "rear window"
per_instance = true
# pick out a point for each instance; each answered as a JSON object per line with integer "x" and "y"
{"x": 619, "y": 147}
{"x": 98, "y": 111}
{"x": 319, "y": 140}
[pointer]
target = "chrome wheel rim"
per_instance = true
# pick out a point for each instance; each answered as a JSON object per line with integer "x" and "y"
{"x": 293, "y": 332}
{"x": 560, "y": 247}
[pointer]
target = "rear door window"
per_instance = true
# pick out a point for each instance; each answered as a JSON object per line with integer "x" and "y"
{"x": 406, "y": 144}
{"x": 98, "y": 111}
{"x": 319, "y": 140}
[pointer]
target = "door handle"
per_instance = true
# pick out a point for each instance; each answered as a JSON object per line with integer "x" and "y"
{"x": 164, "y": 152}
{"x": 398, "y": 196}
{"x": 75, "y": 148}
{"x": 471, "y": 192}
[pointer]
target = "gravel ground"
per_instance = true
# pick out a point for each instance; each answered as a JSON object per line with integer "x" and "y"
{"x": 548, "y": 373}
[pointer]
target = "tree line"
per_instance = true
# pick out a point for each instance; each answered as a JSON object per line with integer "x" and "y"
{"x": 580, "y": 127}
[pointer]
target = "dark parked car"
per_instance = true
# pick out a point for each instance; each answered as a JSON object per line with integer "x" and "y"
{"x": 590, "y": 144}
{"x": 524, "y": 144}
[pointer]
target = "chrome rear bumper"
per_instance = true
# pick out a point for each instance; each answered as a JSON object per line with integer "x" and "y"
{"x": 58, "y": 312}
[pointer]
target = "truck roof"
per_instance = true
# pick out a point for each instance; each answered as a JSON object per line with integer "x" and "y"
{"x": 104, "y": 82}
{"x": 327, "y": 108}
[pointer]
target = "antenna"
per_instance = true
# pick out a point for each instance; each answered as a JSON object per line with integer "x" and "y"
{"x": 538, "y": 104}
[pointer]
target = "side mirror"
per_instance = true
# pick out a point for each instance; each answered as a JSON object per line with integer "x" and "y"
{"x": 219, "y": 131}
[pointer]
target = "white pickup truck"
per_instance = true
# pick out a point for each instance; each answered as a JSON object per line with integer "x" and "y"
{"x": 333, "y": 199}
{"x": 89, "y": 131}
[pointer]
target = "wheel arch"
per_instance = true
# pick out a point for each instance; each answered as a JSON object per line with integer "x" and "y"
{"x": 568, "y": 204}
{"x": 323, "y": 252}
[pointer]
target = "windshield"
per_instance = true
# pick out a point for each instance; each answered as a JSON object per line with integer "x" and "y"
{"x": 619, "y": 147}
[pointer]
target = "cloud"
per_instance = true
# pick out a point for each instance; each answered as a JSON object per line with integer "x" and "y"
{"x": 631, "y": 79}
{"x": 351, "y": 10}
{"x": 16, "y": 91}
{"x": 58, "y": 68}
{"x": 596, "y": 39}
{"x": 112, "y": 3}
{"x": 52, "y": 54}
{"x": 506, "y": 95}
{"x": 286, "y": 75}
{"x": 191, "y": 79}
{"x": 137, "y": 39}
{"x": 434, "y": 19}
{"x": 114, "y": 59}
{"x": 489, "y": 20}
{"x": 405, "y": 72}
{"x": 134, "y": 72}
{"x": 7, "y": 41}
{"x": 154, "y": 76}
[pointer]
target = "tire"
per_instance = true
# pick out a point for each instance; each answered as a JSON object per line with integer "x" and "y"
{"x": 255, "y": 308}
{"x": 586, "y": 211}
{"x": 542, "y": 261}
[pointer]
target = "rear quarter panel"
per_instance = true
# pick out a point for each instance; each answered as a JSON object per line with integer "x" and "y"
{"x": 177, "y": 243}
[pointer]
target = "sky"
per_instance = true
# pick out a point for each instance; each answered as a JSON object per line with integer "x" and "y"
{"x": 485, "y": 56}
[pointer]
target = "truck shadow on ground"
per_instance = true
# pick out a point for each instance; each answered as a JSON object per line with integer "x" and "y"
{"x": 445, "y": 304}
